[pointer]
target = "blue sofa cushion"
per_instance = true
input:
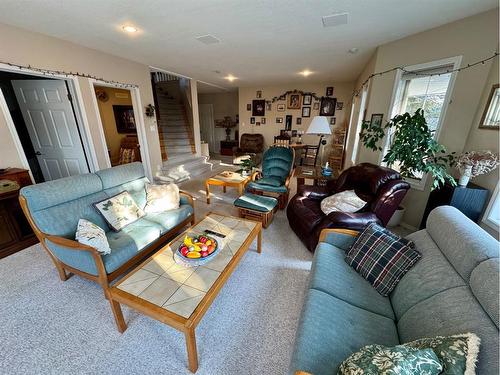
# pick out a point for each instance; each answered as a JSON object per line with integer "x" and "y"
{"x": 331, "y": 274}
{"x": 169, "y": 219}
{"x": 277, "y": 163}
{"x": 330, "y": 330}
{"x": 274, "y": 189}
{"x": 453, "y": 311}
{"x": 431, "y": 275}
{"x": 271, "y": 181}
{"x": 256, "y": 202}
{"x": 120, "y": 175}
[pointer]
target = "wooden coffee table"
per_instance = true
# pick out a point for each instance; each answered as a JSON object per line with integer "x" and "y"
{"x": 177, "y": 295}
{"x": 235, "y": 180}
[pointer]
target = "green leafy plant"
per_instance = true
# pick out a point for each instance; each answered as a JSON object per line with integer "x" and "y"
{"x": 247, "y": 165}
{"x": 412, "y": 147}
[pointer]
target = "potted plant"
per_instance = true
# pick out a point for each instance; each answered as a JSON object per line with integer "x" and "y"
{"x": 412, "y": 148}
{"x": 475, "y": 163}
{"x": 246, "y": 166}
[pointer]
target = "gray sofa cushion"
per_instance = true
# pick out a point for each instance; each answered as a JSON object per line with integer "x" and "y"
{"x": 331, "y": 274}
{"x": 331, "y": 329}
{"x": 429, "y": 276}
{"x": 462, "y": 242}
{"x": 451, "y": 312}
{"x": 484, "y": 283}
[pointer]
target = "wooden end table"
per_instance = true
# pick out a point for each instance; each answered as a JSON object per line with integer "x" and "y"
{"x": 177, "y": 295}
{"x": 232, "y": 180}
{"x": 313, "y": 173}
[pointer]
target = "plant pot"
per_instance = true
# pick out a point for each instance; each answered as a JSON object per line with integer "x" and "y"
{"x": 397, "y": 217}
{"x": 465, "y": 176}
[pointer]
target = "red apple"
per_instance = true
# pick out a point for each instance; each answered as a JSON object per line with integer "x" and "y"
{"x": 211, "y": 249}
{"x": 204, "y": 254}
{"x": 184, "y": 250}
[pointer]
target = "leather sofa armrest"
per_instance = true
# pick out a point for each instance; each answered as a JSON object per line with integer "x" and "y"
{"x": 313, "y": 192}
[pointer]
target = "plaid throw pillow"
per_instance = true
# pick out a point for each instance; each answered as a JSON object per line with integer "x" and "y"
{"x": 381, "y": 257}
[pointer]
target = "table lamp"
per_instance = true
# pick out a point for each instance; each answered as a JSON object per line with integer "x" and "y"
{"x": 319, "y": 125}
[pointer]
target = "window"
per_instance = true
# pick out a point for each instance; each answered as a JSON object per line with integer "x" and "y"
{"x": 425, "y": 86}
{"x": 492, "y": 214}
{"x": 491, "y": 115}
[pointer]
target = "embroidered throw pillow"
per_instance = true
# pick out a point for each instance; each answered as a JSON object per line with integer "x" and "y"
{"x": 458, "y": 353}
{"x": 161, "y": 198}
{"x": 345, "y": 201}
{"x": 400, "y": 359}
{"x": 119, "y": 210}
{"x": 381, "y": 257}
{"x": 93, "y": 235}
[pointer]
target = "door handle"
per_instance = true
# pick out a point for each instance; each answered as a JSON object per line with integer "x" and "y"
{"x": 38, "y": 153}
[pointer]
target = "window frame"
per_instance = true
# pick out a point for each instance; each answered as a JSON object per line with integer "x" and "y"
{"x": 455, "y": 62}
{"x": 491, "y": 205}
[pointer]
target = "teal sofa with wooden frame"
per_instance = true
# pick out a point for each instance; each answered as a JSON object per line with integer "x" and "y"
{"x": 54, "y": 208}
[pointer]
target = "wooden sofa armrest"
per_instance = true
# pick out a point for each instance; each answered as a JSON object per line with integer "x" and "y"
{"x": 256, "y": 175}
{"x": 70, "y": 244}
{"x": 188, "y": 196}
{"x": 287, "y": 181}
{"x": 325, "y": 232}
{"x": 298, "y": 372}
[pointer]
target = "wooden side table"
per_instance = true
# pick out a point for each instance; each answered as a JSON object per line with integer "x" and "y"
{"x": 313, "y": 173}
{"x": 234, "y": 180}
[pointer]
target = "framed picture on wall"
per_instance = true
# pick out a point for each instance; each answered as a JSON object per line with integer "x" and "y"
{"x": 124, "y": 119}
{"x": 329, "y": 91}
{"x": 327, "y": 107}
{"x": 281, "y": 108}
{"x": 491, "y": 115}
{"x": 294, "y": 101}
{"x": 340, "y": 106}
{"x": 252, "y": 120}
{"x": 333, "y": 121}
{"x": 307, "y": 99}
{"x": 316, "y": 106}
{"x": 259, "y": 94}
{"x": 268, "y": 106}
{"x": 263, "y": 120}
{"x": 258, "y": 107}
{"x": 377, "y": 119}
{"x": 249, "y": 107}
{"x": 279, "y": 120}
{"x": 299, "y": 121}
{"x": 306, "y": 111}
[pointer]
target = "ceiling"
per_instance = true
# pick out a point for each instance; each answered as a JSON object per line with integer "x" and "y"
{"x": 262, "y": 41}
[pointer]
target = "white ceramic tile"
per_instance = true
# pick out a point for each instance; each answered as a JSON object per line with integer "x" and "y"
{"x": 183, "y": 293}
{"x": 220, "y": 261}
{"x": 139, "y": 281}
{"x": 230, "y": 222}
{"x": 160, "y": 291}
{"x": 179, "y": 274}
{"x": 202, "y": 279}
{"x": 216, "y": 217}
{"x": 160, "y": 263}
{"x": 184, "y": 308}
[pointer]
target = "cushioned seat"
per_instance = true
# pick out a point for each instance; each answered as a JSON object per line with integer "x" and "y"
{"x": 256, "y": 202}
{"x": 252, "y": 185}
{"x": 169, "y": 219}
{"x": 331, "y": 274}
{"x": 331, "y": 329}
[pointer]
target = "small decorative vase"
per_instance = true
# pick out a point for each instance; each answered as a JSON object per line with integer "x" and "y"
{"x": 465, "y": 176}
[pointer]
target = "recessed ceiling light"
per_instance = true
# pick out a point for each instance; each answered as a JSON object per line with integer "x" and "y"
{"x": 335, "y": 19}
{"x": 305, "y": 72}
{"x": 353, "y": 50}
{"x": 129, "y": 29}
{"x": 230, "y": 77}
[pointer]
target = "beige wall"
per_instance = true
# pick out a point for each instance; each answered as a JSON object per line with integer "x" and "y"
{"x": 27, "y": 48}
{"x": 113, "y": 138}
{"x": 224, "y": 104}
{"x": 472, "y": 38}
{"x": 342, "y": 91}
{"x": 485, "y": 139}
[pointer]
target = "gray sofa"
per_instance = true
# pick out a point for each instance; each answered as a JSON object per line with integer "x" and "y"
{"x": 453, "y": 289}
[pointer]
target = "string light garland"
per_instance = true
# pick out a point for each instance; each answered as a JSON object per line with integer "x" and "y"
{"x": 468, "y": 66}
{"x": 51, "y": 72}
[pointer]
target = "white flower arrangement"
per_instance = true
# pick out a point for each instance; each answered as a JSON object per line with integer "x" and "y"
{"x": 480, "y": 162}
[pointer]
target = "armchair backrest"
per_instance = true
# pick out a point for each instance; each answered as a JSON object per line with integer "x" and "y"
{"x": 278, "y": 162}
{"x": 252, "y": 143}
{"x": 383, "y": 188}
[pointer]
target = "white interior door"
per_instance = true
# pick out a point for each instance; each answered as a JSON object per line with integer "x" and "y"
{"x": 52, "y": 127}
{"x": 207, "y": 125}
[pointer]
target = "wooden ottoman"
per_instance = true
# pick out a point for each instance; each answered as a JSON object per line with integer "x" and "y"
{"x": 257, "y": 207}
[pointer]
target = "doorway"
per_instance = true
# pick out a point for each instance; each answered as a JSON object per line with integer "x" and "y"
{"x": 44, "y": 119}
{"x": 119, "y": 125}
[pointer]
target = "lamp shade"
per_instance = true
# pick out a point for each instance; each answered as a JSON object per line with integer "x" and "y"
{"x": 319, "y": 125}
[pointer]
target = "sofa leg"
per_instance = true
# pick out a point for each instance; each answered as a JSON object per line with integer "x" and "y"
{"x": 62, "y": 273}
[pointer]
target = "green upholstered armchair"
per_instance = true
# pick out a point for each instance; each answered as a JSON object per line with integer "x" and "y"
{"x": 277, "y": 169}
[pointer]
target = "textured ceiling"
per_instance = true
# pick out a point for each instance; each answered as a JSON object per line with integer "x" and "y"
{"x": 262, "y": 42}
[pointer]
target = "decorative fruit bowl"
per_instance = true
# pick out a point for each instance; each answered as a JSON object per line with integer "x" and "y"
{"x": 200, "y": 247}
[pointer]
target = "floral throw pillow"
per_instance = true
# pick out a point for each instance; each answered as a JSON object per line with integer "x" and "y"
{"x": 93, "y": 235}
{"x": 161, "y": 198}
{"x": 457, "y": 353}
{"x": 400, "y": 359}
{"x": 119, "y": 210}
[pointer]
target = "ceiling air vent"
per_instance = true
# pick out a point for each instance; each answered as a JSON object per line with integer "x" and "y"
{"x": 335, "y": 19}
{"x": 208, "y": 39}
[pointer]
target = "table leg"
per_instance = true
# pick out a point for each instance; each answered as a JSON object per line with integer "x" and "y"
{"x": 259, "y": 241}
{"x": 191, "y": 350}
{"x": 117, "y": 313}
{"x": 207, "y": 189}
{"x": 224, "y": 188}
{"x": 240, "y": 190}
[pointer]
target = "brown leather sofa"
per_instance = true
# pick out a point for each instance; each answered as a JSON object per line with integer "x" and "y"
{"x": 382, "y": 188}
{"x": 252, "y": 144}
